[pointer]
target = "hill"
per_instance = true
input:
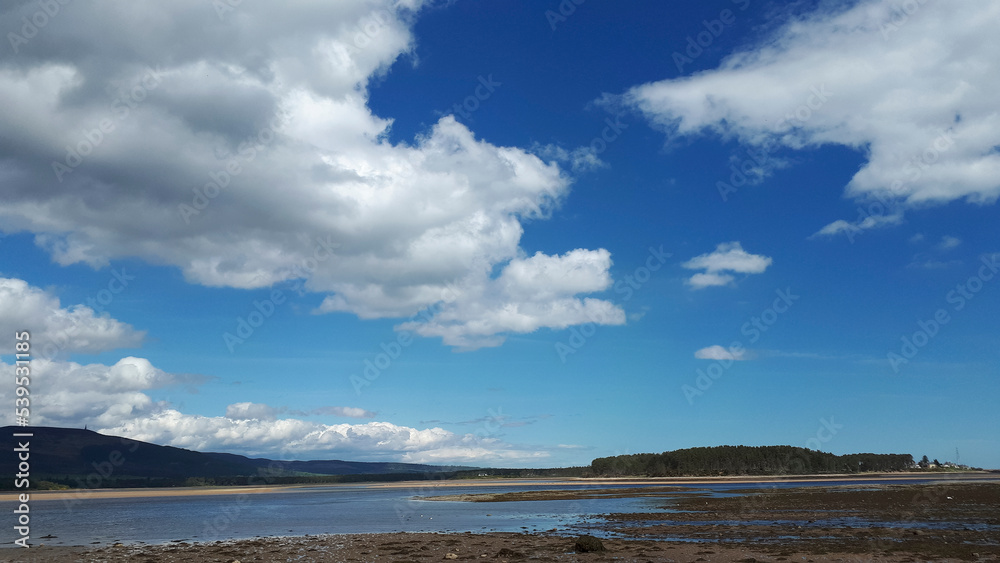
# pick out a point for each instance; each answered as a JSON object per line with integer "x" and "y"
{"x": 84, "y": 458}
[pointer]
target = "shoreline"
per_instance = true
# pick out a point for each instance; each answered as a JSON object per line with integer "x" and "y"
{"x": 943, "y": 521}
{"x": 452, "y": 483}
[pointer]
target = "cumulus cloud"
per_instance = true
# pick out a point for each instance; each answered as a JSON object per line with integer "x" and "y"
{"x": 56, "y": 329}
{"x": 72, "y": 394}
{"x": 727, "y": 257}
{"x": 114, "y": 400}
{"x": 299, "y": 439}
{"x": 241, "y": 149}
{"x": 717, "y": 352}
{"x": 914, "y": 92}
{"x": 530, "y": 293}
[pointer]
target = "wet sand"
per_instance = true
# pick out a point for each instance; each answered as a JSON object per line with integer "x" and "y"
{"x": 139, "y": 493}
{"x": 850, "y": 522}
{"x": 521, "y": 482}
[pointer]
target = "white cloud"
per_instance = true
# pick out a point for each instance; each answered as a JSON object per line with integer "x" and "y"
{"x": 299, "y": 439}
{"x": 916, "y": 96}
{"x": 948, "y": 242}
{"x": 261, "y": 411}
{"x": 717, "y": 352}
{"x": 271, "y": 104}
{"x": 55, "y": 329}
{"x": 699, "y": 281}
{"x": 114, "y": 400}
{"x": 250, "y": 411}
{"x": 862, "y": 224}
{"x": 580, "y": 159}
{"x": 530, "y": 293}
{"x": 72, "y": 394}
{"x": 727, "y": 257}
{"x": 347, "y": 412}
{"x": 933, "y": 260}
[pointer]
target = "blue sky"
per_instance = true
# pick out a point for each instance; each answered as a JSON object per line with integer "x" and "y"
{"x": 507, "y": 233}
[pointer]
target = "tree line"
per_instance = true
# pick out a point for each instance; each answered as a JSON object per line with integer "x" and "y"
{"x": 746, "y": 460}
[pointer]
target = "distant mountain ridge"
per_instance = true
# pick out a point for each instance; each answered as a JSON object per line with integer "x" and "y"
{"x": 74, "y": 456}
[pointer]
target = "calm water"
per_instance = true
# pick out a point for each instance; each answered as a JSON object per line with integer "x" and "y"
{"x": 334, "y": 510}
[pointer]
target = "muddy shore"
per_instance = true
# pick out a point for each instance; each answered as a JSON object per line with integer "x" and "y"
{"x": 951, "y": 521}
{"x": 420, "y": 548}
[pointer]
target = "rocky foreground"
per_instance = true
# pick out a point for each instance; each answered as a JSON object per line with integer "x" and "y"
{"x": 414, "y": 548}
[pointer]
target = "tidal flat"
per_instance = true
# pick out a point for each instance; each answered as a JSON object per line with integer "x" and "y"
{"x": 845, "y": 522}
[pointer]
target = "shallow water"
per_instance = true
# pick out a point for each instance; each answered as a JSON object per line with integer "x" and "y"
{"x": 341, "y": 510}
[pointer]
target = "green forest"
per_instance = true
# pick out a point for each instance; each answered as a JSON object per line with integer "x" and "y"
{"x": 746, "y": 460}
